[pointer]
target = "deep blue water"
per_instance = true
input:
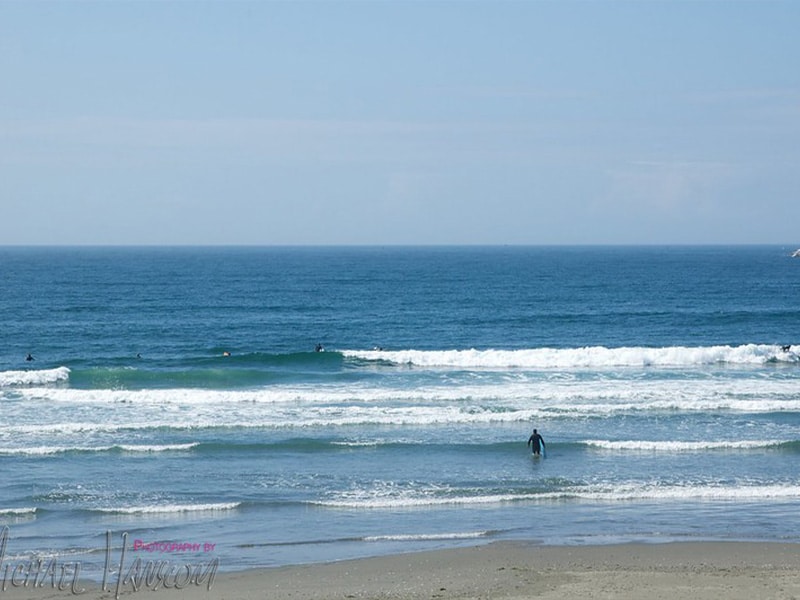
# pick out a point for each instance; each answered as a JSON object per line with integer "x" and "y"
{"x": 657, "y": 376}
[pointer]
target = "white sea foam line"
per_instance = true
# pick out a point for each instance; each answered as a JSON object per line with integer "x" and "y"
{"x": 671, "y": 446}
{"x": 357, "y": 444}
{"x": 312, "y": 417}
{"x": 468, "y": 535}
{"x": 47, "y": 450}
{"x": 336, "y": 405}
{"x": 424, "y": 501}
{"x": 621, "y": 493}
{"x": 105, "y": 427}
{"x": 45, "y": 556}
{"x": 18, "y": 511}
{"x": 587, "y": 357}
{"x": 315, "y": 416}
{"x": 157, "y": 447}
{"x": 696, "y": 493}
{"x": 33, "y": 377}
{"x": 508, "y": 393}
{"x": 172, "y": 508}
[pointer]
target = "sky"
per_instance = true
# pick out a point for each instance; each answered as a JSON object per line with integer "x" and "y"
{"x": 390, "y": 122}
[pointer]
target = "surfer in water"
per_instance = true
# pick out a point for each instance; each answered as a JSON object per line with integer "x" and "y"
{"x": 536, "y": 442}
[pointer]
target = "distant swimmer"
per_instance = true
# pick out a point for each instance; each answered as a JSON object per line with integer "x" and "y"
{"x": 319, "y": 348}
{"x": 536, "y": 442}
{"x": 226, "y": 353}
{"x": 29, "y": 358}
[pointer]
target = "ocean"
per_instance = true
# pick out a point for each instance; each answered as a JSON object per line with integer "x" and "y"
{"x": 177, "y": 409}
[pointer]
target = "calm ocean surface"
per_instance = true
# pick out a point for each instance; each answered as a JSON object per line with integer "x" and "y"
{"x": 655, "y": 374}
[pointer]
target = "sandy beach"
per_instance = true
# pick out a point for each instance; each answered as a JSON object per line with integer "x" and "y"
{"x": 508, "y": 570}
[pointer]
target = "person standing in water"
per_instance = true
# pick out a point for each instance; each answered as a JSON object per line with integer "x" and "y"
{"x": 536, "y": 442}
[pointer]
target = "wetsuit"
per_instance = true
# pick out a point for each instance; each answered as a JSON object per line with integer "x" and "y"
{"x": 536, "y": 442}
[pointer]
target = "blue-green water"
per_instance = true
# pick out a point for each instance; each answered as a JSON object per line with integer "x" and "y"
{"x": 657, "y": 376}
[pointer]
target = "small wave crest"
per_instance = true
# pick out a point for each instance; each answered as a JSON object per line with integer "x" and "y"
{"x": 681, "y": 446}
{"x": 18, "y": 511}
{"x": 33, "y": 377}
{"x": 689, "y": 492}
{"x": 170, "y": 508}
{"x": 52, "y": 450}
{"x": 618, "y": 493}
{"x": 428, "y": 537}
{"x": 425, "y": 501}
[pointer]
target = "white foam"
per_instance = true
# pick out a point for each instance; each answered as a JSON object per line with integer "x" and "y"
{"x": 157, "y": 447}
{"x": 172, "y": 508}
{"x": 48, "y": 450}
{"x": 423, "y": 501}
{"x": 451, "y": 400}
{"x": 357, "y": 444}
{"x": 528, "y": 390}
{"x": 33, "y": 377}
{"x": 468, "y": 535}
{"x": 692, "y": 492}
{"x": 18, "y": 511}
{"x": 587, "y": 357}
{"x": 679, "y": 446}
{"x": 623, "y": 492}
{"x": 423, "y": 411}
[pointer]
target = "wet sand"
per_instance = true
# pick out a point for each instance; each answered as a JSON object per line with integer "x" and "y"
{"x": 504, "y": 570}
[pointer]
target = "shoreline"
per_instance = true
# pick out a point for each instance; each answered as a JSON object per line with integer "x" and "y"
{"x": 501, "y": 570}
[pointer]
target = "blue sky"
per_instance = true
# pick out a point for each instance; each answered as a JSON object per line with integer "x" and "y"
{"x": 399, "y": 122}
